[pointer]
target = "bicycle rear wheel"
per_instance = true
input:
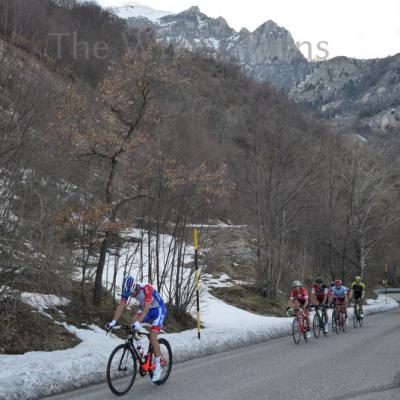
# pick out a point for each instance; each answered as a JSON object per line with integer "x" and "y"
{"x": 296, "y": 331}
{"x": 121, "y": 370}
{"x": 166, "y": 361}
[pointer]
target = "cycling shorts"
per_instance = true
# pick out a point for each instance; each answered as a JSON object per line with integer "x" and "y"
{"x": 156, "y": 316}
{"x": 302, "y": 302}
{"x": 338, "y": 300}
{"x": 321, "y": 302}
{"x": 357, "y": 295}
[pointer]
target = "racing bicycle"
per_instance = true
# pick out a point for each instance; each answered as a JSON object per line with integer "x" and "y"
{"x": 124, "y": 360}
{"x": 319, "y": 320}
{"x": 299, "y": 326}
{"x": 358, "y": 321}
{"x": 339, "y": 323}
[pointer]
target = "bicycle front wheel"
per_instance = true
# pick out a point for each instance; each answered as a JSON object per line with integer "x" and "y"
{"x": 335, "y": 327}
{"x": 121, "y": 370}
{"x": 316, "y": 325}
{"x": 296, "y": 331}
{"x": 343, "y": 322}
{"x": 355, "y": 317}
{"x": 166, "y": 361}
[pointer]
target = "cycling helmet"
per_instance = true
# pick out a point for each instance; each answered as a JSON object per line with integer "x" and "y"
{"x": 128, "y": 286}
{"x": 320, "y": 281}
{"x": 338, "y": 282}
{"x": 297, "y": 283}
{"x": 358, "y": 279}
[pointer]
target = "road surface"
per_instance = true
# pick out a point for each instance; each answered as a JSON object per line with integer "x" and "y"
{"x": 360, "y": 364}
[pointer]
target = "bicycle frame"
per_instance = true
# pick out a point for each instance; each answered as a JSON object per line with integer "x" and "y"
{"x": 339, "y": 314}
{"x": 146, "y": 365}
{"x": 357, "y": 308}
{"x": 299, "y": 314}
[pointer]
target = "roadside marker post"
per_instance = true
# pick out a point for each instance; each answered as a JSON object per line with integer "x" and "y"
{"x": 386, "y": 283}
{"x": 196, "y": 265}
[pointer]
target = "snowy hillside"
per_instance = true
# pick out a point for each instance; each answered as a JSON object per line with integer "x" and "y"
{"x": 135, "y": 10}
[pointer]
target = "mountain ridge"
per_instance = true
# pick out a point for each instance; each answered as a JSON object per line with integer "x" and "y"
{"x": 346, "y": 91}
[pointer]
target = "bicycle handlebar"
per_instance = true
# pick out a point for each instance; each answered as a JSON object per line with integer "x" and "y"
{"x": 128, "y": 329}
{"x": 293, "y": 309}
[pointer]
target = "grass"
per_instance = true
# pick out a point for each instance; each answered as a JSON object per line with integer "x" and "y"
{"x": 249, "y": 299}
{"x": 27, "y": 330}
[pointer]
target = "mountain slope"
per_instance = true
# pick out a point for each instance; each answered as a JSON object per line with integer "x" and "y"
{"x": 360, "y": 94}
{"x": 269, "y": 53}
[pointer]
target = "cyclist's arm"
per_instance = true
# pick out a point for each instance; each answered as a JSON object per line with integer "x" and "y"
{"x": 145, "y": 311}
{"x": 118, "y": 311}
{"x": 325, "y": 296}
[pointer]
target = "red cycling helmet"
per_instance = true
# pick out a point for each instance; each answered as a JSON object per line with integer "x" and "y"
{"x": 338, "y": 282}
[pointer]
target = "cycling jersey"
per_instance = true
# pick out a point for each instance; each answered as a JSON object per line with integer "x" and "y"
{"x": 358, "y": 289}
{"x": 339, "y": 292}
{"x": 157, "y": 316}
{"x": 147, "y": 294}
{"x": 301, "y": 295}
{"x": 320, "y": 291}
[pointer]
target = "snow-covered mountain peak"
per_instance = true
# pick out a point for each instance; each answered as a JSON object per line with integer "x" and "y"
{"x": 132, "y": 9}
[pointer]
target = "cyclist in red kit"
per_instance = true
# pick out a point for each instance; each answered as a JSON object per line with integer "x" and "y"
{"x": 299, "y": 299}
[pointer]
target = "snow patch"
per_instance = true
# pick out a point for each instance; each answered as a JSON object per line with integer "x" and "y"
{"x": 43, "y": 301}
{"x": 136, "y": 10}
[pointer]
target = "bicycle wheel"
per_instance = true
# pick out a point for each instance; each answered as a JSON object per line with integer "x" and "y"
{"x": 121, "y": 370}
{"x": 335, "y": 322}
{"x": 361, "y": 321}
{"x": 316, "y": 325}
{"x": 343, "y": 323}
{"x": 166, "y": 361}
{"x": 355, "y": 317}
{"x": 296, "y": 331}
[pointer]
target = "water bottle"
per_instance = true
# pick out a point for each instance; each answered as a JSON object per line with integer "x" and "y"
{"x": 140, "y": 350}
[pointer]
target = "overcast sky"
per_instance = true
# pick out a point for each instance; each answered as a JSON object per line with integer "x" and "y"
{"x": 354, "y": 28}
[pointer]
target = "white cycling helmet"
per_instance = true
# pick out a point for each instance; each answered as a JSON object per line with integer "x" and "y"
{"x": 297, "y": 283}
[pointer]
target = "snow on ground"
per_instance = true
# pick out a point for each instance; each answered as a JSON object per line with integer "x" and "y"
{"x": 43, "y": 301}
{"x": 37, "y": 374}
{"x": 131, "y": 9}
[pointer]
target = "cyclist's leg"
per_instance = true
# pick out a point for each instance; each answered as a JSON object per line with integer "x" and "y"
{"x": 360, "y": 304}
{"x": 326, "y": 305}
{"x": 307, "y": 314}
{"x": 158, "y": 317}
{"x": 344, "y": 307}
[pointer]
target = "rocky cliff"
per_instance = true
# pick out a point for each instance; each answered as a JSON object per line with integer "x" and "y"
{"x": 361, "y": 94}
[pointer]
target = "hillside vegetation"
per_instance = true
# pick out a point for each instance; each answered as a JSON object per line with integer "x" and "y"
{"x": 160, "y": 138}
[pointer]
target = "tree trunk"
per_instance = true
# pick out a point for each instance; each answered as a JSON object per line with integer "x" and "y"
{"x": 98, "y": 283}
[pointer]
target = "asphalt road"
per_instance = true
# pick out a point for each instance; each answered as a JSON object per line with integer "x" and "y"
{"x": 360, "y": 364}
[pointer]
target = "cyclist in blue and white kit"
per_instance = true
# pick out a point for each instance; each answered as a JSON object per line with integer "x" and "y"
{"x": 338, "y": 296}
{"x": 152, "y": 309}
